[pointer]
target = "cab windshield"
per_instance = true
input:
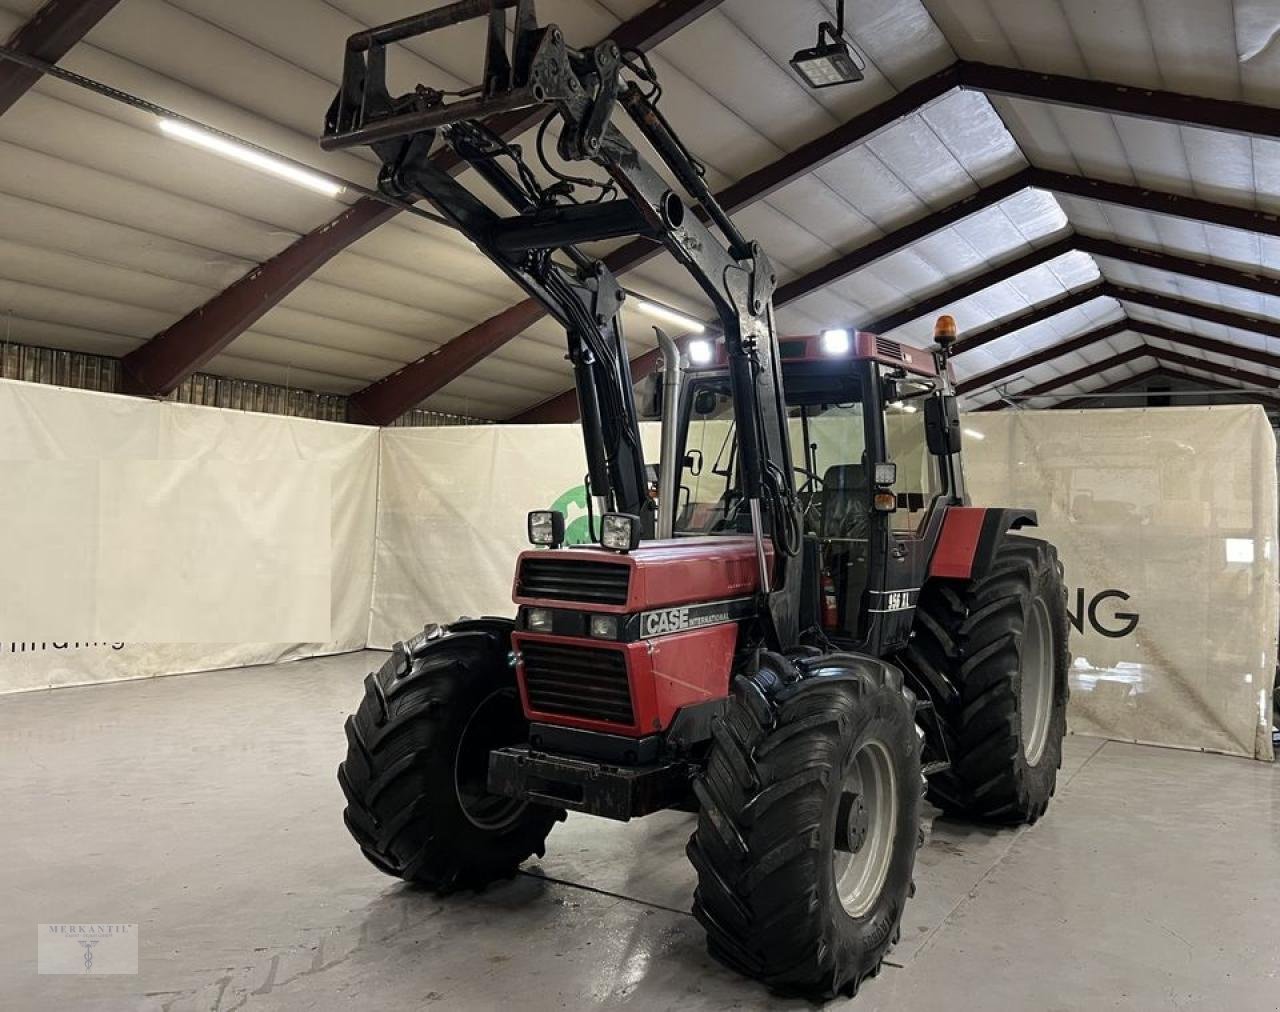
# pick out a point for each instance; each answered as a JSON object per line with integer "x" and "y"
{"x": 828, "y": 443}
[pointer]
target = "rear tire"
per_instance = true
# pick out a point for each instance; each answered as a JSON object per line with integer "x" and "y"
{"x": 1002, "y": 641}
{"x": 807, "y": 830}
{"x": 415, "y": 776}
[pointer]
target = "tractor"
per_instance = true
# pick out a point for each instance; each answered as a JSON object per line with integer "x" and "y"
{"x": 795, "y": 625}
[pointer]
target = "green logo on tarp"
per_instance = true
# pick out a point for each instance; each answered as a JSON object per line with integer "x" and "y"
{"x": 573, "y": 504}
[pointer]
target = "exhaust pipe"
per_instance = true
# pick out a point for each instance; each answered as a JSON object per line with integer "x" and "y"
{"x": 668, "y": 470}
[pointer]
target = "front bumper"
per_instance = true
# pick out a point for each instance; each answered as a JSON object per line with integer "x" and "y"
{"x": 584, "y": 785}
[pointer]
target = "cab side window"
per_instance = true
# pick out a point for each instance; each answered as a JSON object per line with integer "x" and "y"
{"x": 919, "y": 476}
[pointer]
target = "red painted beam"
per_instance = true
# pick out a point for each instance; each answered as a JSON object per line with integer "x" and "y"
{"x": 1075, "y": 376}
{"x": 1230, "y": 372}
{"x": 1167, "y": 334}
{"x": 1021, "y": 365}
{"x": 48, "y": 36}
{"x": 160, "y": 365}
{"x": 1122, "y": 99}
{"x": 563, "y": 407}
{"x": 1183, "y": 339}
{"x": 1266, "y": 326}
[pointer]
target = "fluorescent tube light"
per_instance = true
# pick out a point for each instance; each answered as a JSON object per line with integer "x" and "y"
{"x": 658, "y": 312}
{"x": 251, "y": 157}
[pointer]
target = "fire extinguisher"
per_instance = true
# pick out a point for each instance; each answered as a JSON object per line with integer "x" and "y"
{"x": 830, "y": 612}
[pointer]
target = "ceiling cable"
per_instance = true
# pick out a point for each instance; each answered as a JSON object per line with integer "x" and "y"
{"x": 142, "y": 104}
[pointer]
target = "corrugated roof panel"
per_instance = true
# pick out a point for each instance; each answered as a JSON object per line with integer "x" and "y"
{"x": 43, "y": 179}
{"x": 1030, "y": 340}
{"x": 53, "y": 228}
{"x": 44, "y": 333}
{"x": 1213, "y": 356}
{"x": 1203, "y": 328}
{"x": 1067, "y": 272}
{"x": 1194, "y": 289}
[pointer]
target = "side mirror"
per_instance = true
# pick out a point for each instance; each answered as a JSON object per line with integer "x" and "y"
{"x": 705, "y": 402}
{"x": 942, "y": 426}
{"x": 693, "y": 462}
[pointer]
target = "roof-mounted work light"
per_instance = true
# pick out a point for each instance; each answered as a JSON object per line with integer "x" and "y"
{"x": 829, "y": 63}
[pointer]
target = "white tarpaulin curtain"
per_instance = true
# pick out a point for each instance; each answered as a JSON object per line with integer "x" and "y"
{"x": 1165, "y": 520}
{"x": 452, "y": 504}
{"x": 157, "y": 538}
{"x": 1166, "y": 523}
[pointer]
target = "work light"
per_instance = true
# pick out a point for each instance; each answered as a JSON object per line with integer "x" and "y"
{"x": 546, "y": 527}
{"x": 836, "y": 342}
{"x": 620, "y": 531}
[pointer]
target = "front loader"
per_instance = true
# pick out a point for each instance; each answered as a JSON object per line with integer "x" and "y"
{"x": 793, "y": 647}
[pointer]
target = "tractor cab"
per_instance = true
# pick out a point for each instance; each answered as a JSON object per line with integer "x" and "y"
{"x": 874, "y": 436}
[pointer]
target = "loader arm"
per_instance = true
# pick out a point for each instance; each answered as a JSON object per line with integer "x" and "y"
{"x": 538, "y": 245}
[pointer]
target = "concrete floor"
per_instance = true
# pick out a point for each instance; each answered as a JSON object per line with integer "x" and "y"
{"x": 205, "y": 809}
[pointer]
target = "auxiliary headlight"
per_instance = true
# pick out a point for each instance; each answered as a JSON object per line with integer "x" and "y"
{"x": 604, "y": 627}
{"x": 538, "y": 620}
{"x": 546, "y": 527}
{"x": 620, "y": 531}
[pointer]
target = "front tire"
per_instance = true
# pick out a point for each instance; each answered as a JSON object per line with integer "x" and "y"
{"x": 415, "y": 776}
{"x": 807, "y": 830}
{"x": 1003, "y": 640}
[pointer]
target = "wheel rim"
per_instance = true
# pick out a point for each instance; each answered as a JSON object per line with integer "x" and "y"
{"x": 866, "y": 824}
{"x": 1036, "y": 672}
{"x": 497, "y": 721}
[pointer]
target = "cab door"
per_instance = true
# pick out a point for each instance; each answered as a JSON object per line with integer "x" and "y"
{"x": 920, "y": 491}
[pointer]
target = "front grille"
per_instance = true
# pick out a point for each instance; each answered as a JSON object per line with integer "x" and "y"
{"x": 587, "y": 682}
{"x": 561, "y": 579}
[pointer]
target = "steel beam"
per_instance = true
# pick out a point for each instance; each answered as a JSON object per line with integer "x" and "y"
{"x": 1163, "y": 372}
{"x": 1122, "y": 99}
{"x": 160, "y": 365}
{"x": 1196, "y": 310}
{"x": 48, "y": 36}
{"x": 1021, "y": 365}
{"x": 1001, "y": 272}
{"x": 1230, "y": 372}
{"x": 1075, "y": 376}
{"x": 1140, "y": 198}
{"x": 1209, "y": 344}
{"x": 1115, "y": 387}
{"x": 1171, "y": 263}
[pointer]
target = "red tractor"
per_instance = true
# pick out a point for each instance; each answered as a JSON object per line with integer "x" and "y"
{"x": 796, "y": 648}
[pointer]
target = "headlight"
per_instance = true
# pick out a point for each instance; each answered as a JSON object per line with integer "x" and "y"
{"x": 604, "y": 627}
{"x": 620, "y": 531}
{"x": 539, "y": 620}
{"x": 546, "y": 527}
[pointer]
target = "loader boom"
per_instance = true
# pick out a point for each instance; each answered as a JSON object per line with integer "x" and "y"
{"x": 538, "y": 246}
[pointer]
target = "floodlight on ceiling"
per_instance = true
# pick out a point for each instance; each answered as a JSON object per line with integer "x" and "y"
{"x": 251, "y": 157}
{"x": 829, "y": 62}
